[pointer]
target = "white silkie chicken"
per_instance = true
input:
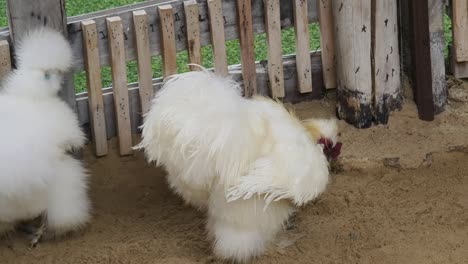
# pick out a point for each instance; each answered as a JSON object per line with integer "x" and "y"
{"x": 248, "y": 162}
{"x": 37, "y": 175}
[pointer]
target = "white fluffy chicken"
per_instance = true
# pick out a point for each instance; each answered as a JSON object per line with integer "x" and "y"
{"x": 248, "y": 162}
{"x": 37, "y": 175}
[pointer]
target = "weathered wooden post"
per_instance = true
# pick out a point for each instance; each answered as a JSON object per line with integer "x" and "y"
{"x": 437, "y": 45}
{"x": 422, "y": 26}
{"x": 353, "y": 54}
{"x": 24, "y": 15}
{"x": 368, "y": 62}
{"x": 385, "y": 60}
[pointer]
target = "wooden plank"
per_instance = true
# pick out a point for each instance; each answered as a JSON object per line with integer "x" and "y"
{"x": 327, "y": 42}
{"x": 24, "y": 15}
{"x": 94, "y": 87}
{"x": 421, "y": 54}
{"x": 292, "y": 95}
{"x": 275, "y": 60}
{"x": 353, "y": 48}
{"x": 125, "y": 12}
{"x": 459, "y": 69}
{"x": 302, "y": 46}
{"x": 145, "y": 72}
{"x": 460, "y": 29}
{"x": 437, "y": 44}
{"x": 386, "y": 71}
{"x": 27, "y": 14}
{"x": 119, "y": 81}
{"x": 5, "y": 59}
{"x": 215, "y": 9}
{"x": 246, "y": 37}
{"x": 193, "y": 33}
{"x": 168, "y": 43}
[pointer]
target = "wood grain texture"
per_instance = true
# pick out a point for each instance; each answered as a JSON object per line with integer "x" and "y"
{"x": 193, "y": 33}
{"x": 353, "y": 48}
{"x": 275, "y": 59}
{"x": 145, "y": 71}
{"x": 301, "y": 27}
{"x": 327, "y": 42}
{"x": 437, "y": 45}
{"x": 24, "y": 15}
{"x": 246, "y": 37}
{"x": 119, "y": 81}
{"x": 5, "y": 59}
{"x": 460, "y": 29}
{"x": 215, "y": 9}
{"x": 28, "y": 14}
{"x": 386, "y": 68}
{"x": 94, "y": 87}
{"x": 168, "y": 42}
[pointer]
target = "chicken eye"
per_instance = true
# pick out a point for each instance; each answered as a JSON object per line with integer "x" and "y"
{"x": 47, "y": 75}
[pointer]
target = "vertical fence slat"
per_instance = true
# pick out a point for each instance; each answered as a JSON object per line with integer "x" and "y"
{"x": 327, "y": 42}
{"x": 193, "y": 33}
{"x": 275, "y": 52}
{"x": 215, "y": 9}
{"x": 5, "y": 59}
{"x": 166, "y": 17}
{"x": 94, "y": 86}
{"x": 24, "y": 15}
{"x": 145, "y": 73}
{"x": 301, "y": 26}
{"x": 246, "y": 37}
{"x": 119, "y": 83}
{"x": 460, "y": 30}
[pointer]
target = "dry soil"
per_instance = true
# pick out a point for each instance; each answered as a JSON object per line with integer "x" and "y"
{"x": 402, "y": 197}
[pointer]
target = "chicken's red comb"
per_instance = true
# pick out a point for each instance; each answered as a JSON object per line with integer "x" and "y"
{"x": 332, "y": 152}
{"x": 336, "y": 150}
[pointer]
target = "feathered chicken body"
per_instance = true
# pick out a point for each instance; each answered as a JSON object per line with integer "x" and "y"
{"x": 247, "y": 161}
{"x": 37, "y": 176}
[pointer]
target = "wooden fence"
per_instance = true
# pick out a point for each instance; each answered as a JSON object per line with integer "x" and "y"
{"x": 359, "y": 54}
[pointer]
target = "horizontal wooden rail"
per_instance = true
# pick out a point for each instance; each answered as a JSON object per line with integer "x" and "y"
{"x": 290, "y": 84}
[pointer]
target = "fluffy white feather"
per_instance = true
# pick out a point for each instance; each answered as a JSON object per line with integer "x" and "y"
{"x": 36, "y": 174}
{"x": 247, "y": 161}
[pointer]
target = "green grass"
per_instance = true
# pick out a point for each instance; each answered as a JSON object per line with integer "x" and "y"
{"x": 232, "y": 50}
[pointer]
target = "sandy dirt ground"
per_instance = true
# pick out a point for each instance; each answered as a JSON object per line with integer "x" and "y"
{"x": 402, "y": 197}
